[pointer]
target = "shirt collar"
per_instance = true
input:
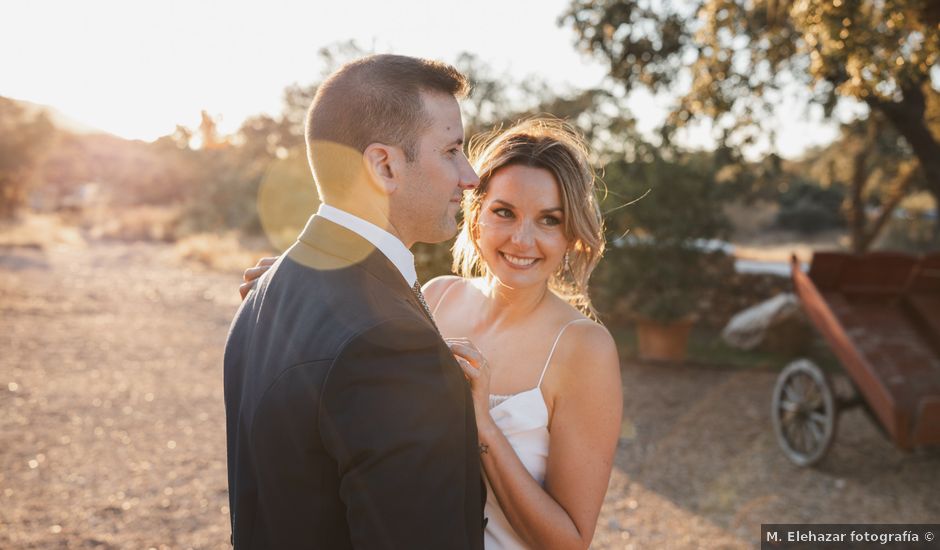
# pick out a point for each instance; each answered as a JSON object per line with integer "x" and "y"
{"x": 388, "y": 244}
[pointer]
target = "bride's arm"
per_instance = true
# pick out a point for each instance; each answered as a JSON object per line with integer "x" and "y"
{"x": 585, "y": 424}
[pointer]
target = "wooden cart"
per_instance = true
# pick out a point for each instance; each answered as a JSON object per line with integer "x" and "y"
{"x": 880, "y": 314}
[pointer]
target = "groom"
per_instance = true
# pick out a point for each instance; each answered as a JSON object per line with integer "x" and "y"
{"x": 349, "y": 424}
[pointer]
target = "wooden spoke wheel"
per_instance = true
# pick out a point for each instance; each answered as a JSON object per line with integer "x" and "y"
{"x": 804, "y": 412}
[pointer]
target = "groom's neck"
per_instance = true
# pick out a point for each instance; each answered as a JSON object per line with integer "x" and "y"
{"x": 371, "y": 213}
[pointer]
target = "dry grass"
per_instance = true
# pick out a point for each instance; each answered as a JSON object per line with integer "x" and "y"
{"x": 141, "y": 223}
{"x": 222, "y": 252}
{"x": 225, "y": 251}
{"x": 37, "y": 231}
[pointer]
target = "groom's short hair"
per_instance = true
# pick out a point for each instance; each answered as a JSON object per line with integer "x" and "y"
{"x": 377, "y": 99}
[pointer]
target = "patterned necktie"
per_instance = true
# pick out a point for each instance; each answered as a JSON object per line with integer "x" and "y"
{"x": 420, "y": 296}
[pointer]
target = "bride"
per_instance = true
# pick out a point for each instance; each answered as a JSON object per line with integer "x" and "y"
{"x": 544, "y": 375}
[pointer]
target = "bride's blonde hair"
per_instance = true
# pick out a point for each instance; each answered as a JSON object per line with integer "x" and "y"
{"x": 553, "y": 145}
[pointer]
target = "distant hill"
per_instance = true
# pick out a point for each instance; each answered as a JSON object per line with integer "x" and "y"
{"x": 59, "y": 119}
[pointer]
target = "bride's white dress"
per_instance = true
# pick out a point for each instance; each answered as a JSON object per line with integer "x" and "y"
{"x": 523, "y": 419}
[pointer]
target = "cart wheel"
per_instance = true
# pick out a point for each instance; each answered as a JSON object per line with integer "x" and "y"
{"x": 804, "y": 412}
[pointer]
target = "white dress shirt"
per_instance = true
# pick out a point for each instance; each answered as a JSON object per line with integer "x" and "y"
{"x": 388, "y": 244}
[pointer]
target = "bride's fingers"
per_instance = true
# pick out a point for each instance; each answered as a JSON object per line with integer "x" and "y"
{"x": 245, "y": 288}
{"x": 463, "y": 347}
{"x": 468, "y": 352}
{"x": 266, "y": 261}
{"x": 465, "y": 365}
{"x": 253, "y": 273}
{"x": 471, "y": 372}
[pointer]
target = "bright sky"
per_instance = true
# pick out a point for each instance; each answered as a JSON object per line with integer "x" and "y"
{"x": 138, "y": 68}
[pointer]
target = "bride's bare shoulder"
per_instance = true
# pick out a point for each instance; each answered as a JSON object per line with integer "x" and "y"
{"x": 587, "y": 335}
{"x": 588, "y": 352}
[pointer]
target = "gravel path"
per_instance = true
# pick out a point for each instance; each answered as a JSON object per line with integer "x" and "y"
{"x": 112, "y": 425}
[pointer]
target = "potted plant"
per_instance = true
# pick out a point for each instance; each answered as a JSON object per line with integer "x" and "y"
{"x": 665, "y": 255}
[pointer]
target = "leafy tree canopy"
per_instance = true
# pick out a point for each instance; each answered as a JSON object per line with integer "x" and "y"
{"x": 731, "y": 59}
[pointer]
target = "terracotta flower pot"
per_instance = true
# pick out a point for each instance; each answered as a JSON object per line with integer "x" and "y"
{"x": 663, "y": 341}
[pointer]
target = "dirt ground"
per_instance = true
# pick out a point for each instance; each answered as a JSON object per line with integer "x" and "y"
{"x": 112, "y": 426}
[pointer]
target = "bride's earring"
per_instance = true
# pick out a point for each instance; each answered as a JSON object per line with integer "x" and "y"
{"x": 567, "y": 266}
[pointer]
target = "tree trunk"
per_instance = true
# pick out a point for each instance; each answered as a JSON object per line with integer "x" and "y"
{"x": 899, "y": 189}
{"x": 857, "y": 207}
{"x": 907, "y": 116}
{"x": 857, "y": 217}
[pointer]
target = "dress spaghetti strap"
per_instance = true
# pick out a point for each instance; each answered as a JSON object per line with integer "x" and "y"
{"x": 552, "y": 352}
{"x": 440, "y": 300}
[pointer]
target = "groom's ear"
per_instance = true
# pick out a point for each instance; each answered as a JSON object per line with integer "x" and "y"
{"x": 384, "y": 164}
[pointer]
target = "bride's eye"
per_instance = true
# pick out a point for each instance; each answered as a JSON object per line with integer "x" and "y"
{"x": 552, "y": 220}
{"x": 502, "y": 212}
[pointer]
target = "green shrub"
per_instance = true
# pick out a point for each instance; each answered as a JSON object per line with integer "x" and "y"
{"x": 809, "y": 208}
{"x": 661, "y": 263}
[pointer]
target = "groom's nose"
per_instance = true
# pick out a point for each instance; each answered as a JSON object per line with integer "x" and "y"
{"x": 468, "y": 177}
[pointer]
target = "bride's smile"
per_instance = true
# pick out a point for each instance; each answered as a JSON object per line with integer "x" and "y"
{"x": 517, "y": 261}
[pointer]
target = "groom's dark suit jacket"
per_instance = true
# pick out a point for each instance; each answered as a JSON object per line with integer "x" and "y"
{"x": 349, "y": 424}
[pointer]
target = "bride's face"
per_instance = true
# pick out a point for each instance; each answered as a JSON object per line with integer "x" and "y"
{"x": 520, "y": 232}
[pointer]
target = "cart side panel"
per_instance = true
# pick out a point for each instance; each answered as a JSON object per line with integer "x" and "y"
{"x": 886, "y": 335}
{"x": 925, "y": 316}
{"x": 924, "y": 312}
{"x": 865, "y": 377}
{"x": 927, "y": 430}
